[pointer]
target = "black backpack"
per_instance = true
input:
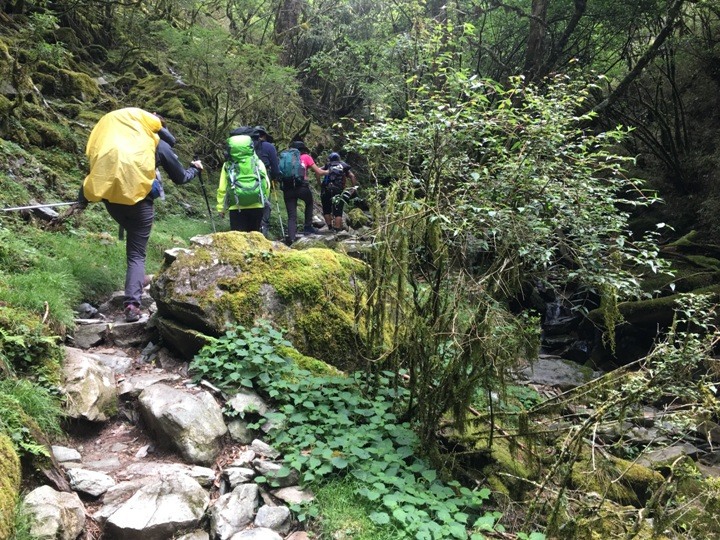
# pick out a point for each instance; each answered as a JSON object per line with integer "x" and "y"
{"x": 335, "y": 179}
{"x": 250, "y": 132}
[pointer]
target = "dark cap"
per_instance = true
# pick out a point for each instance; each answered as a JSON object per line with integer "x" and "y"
{"x": 260, "y": 130}
{"x": 299, "y": 145}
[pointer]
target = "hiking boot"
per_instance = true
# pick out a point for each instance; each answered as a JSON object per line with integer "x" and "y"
{"x": 309, "y": 229}
{"x": 132, "y": 313}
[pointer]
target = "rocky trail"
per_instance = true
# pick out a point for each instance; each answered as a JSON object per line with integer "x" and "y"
{"x": 148, "y": 453}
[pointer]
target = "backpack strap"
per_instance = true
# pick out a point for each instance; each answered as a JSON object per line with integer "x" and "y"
{"x": 258, "y": 176}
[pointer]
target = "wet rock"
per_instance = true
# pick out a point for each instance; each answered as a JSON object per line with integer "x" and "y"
{"x": 558, "y": 372}
{"x": 132, "y": 334}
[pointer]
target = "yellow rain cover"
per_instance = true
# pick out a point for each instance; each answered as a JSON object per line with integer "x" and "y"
{"x": 121, "y": 150}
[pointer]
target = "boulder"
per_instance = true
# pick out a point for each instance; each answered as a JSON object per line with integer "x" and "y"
{"x": 56, "y": 515}
{"x": 89, "y": 387}
{"x": 234, "y": 277}
{"x": 159, "y": 509}
{"x": 191, "y": 423}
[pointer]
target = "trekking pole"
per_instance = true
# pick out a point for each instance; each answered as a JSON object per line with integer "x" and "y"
{"x": 32, "y": 207}
{"x": 207, "y": 202}
{"x": 277, "y": 206}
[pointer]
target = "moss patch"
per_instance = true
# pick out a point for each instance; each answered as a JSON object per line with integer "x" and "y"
{"x": 623, "y": 481}
{"x": 9, "y": 485}
{"x": 313, "y": 365}
{"x": 610, "y": 521}
{"x": 176, "y": 102}
{"x": 27, "y": 347}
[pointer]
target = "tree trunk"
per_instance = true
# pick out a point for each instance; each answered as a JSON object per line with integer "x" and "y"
{"x": 536, "y": 38}
{"x": 287, "y": 20}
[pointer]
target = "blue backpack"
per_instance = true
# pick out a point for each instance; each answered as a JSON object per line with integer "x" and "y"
{"x": 292, "y": 171}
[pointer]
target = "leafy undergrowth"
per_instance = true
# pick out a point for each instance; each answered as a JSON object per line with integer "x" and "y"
{"x": 342, "y": 435}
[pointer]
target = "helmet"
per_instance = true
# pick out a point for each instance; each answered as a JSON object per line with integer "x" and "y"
{"x": 334, "y": 156}
{"x": 299, "y": 145}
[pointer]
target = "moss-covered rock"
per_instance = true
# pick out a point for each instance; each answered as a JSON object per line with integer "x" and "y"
{"x": 172, "y": 99}
{"x": 622, "y": 481}
{"x": 313, "y": 365}
{"x": 9, "y": 485}
{"x": 230, "y": 278}
{"x": 47, "y": 135}
{"x": 357, "y": 218}
{"x": 607, "y": 520}
{"x": 65, "y": 83}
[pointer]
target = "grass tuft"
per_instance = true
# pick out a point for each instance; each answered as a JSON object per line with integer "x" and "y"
{"x": 343, "y": 515}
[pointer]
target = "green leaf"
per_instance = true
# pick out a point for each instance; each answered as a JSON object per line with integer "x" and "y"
{"x": 380, "y": 518}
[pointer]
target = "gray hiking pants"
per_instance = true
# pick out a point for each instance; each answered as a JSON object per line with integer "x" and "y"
{"x": 137, "y": 220}
{"x": 265, "y": 226}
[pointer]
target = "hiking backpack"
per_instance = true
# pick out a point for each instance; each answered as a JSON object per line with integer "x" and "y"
{"x": 292, "y": 171}
{"x": 121, "y": 152}
{"x": 335, "y": 179}
{"x": 244, "y": 175}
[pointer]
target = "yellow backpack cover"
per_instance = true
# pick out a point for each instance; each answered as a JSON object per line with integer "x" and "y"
{"x": 121, "y": 150}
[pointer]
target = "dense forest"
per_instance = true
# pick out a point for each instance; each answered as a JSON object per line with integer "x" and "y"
{"x": 515, "y": 155}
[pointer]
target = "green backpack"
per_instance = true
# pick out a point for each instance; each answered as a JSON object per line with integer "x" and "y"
{"x": 245, "y": 186}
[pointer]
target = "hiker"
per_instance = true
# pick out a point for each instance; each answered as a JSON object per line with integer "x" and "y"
{"x": 266, "y": 151}
{"x": 244, "y": 185}
{"x": 125, "y": 149}
{"x": 332, "y": 191}
{"x": 295, "y": 162}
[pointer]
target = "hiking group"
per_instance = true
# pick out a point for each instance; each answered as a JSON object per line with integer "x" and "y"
{"x": 253, "y": 170}
{"x": 127, "y": 148}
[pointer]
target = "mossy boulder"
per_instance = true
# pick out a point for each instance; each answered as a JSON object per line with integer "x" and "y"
{"x": 622, "y": 481}
{"x": 9, "y": 485}
{"x": 231, "y": 278}
{"x": 60, "y": 82}
{"x": 606, "y": 520}
{"x": 357, "y": 218}
{"x": 172, "y": 98}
